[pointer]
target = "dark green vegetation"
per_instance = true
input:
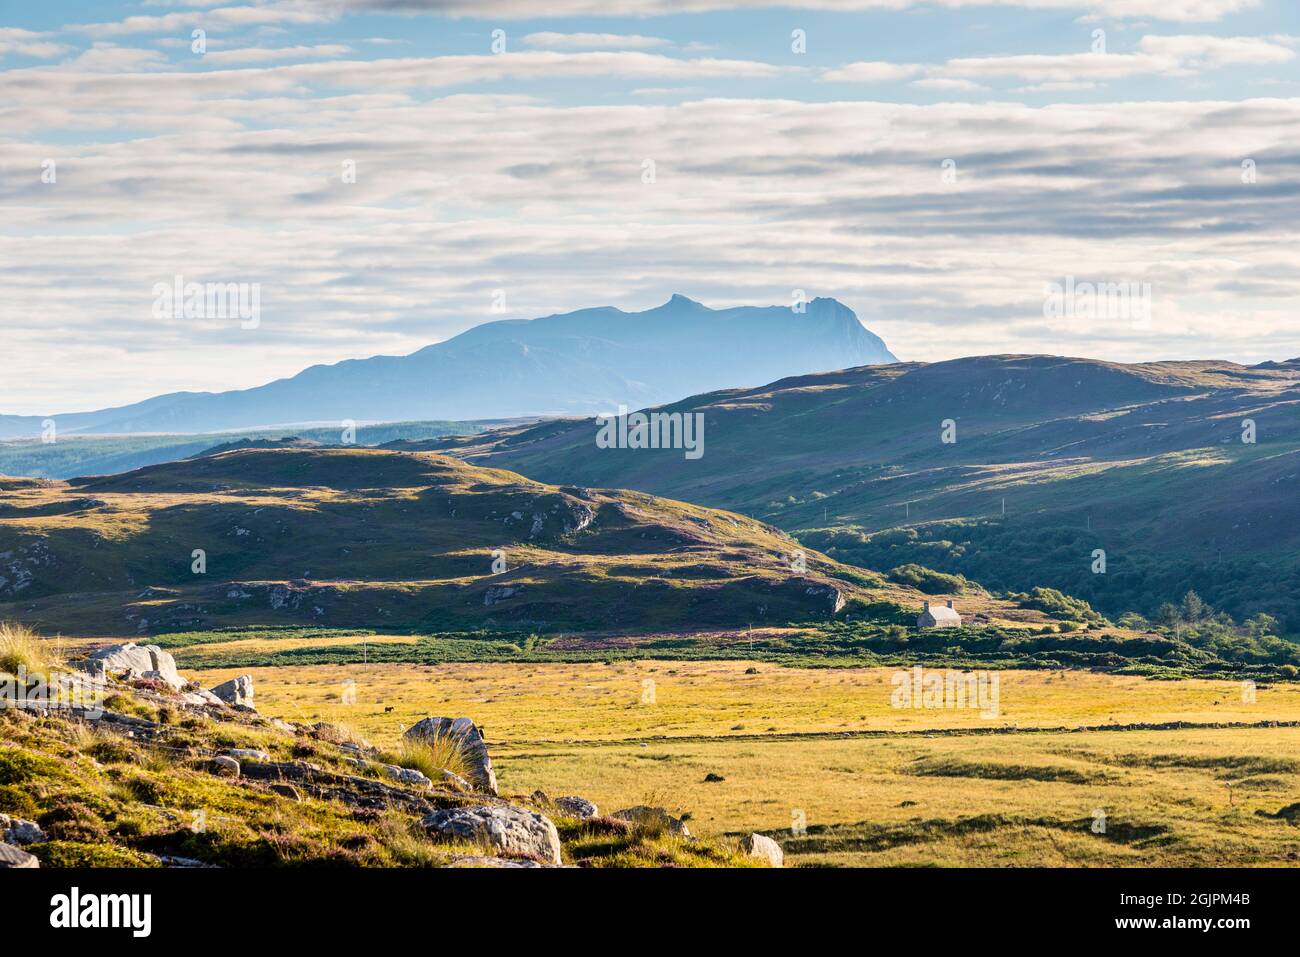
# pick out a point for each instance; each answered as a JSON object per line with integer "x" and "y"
{"x": 73, "y": 455}
{"x": 1054, "y": 459}
{"x": 369, "y": 538}
{"x": 1209, "y": 648}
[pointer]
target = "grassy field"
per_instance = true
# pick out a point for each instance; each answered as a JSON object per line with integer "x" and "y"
{"x": 875, "y": 785}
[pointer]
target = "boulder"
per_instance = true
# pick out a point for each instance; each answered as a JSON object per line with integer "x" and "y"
{"x": 201, "y": 697}
{"x": 247, "y": 754}
{"x": 762, "y": 847}
{"x": 406, "y": 775}
{"x": 471, "y": 860}
{"x": 503, "y": 828}
{"x": 467, "y": 734}
{"x": 236, "y": 691}
{"x": 10, "y": 856}
{"x": 653, "y": 817}
{"x": 577, "y": 807}
{"x": 14, "y": 830}
{"x": 134, "y": 661}
{"x": 225, "y": 766}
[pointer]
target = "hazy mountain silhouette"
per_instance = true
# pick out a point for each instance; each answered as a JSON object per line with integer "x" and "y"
{"x": 576, "y": 363}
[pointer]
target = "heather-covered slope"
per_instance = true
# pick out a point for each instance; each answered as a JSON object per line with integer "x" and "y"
{"x": 361, "y": 537}
{"x": 1144, "y": 461}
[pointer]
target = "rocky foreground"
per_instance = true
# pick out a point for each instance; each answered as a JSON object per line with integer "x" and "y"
{"x": 121, "y": 761}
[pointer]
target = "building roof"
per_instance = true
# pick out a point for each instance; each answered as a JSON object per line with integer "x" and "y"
{"x": 942, "y": 613}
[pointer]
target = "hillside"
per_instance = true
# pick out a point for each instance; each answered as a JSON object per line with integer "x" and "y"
{"x": 583, "y": 362}
{"x": 363, "y": 537}
{"x": 1144, "y": 461}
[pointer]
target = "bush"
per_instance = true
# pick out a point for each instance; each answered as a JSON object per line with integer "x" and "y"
{"x": 22, "y": 649}
{"x": 928, "y": 580}
{"x": 431, "y": 755}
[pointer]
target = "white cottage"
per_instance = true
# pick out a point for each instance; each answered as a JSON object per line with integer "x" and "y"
{"x": 938, "y": 616}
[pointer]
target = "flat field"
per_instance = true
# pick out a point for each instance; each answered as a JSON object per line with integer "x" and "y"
{"x": 1071, "y": 771}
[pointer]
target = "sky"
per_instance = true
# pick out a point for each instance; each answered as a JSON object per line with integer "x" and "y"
{"x": 390, "y": 173}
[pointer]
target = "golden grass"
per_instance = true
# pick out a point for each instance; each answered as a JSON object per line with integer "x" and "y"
{"x": 579, "y": 702}
{"x": 22, "y": 649}
{"x": 431, "y": 755}
{"x": 1188, "y": 797}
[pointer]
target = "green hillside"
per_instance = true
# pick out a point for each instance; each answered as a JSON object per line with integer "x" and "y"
{"x": 390, "y": 540}
{"x": 1053, "y": 458}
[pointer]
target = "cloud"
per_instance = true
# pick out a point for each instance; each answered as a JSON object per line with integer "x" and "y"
{"x": 872, "y": 71}
{"x": 111, "y": 58}
{"x": 948, "y": 83}
{"x": 272, "y": 54}
{"x": 15, "y": 41}
{"x": 1169, "y": 55}
{"x": 592, "y": 41}
{"x": 286, "y": 11}
{"x": 1177, "y": 10}
{"x": 460, "y": 195}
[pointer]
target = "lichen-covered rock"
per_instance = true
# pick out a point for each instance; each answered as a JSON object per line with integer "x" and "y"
{"x": 247, "y": 754}
{"x": 470, "y": 739}
{"x": 763, "y": 847}
{"x": 576, "y": 807}
{"x": 14, "y": 830}
{"x": 406, "y": 775}
{"x": 226, "y": 767}
{"x": 236, "y": 691}
{"x": 503, "y": 828}
{"x": 134, "y": 661}
{"x": 653, "y": 817}
{"x": 10, "y": 856}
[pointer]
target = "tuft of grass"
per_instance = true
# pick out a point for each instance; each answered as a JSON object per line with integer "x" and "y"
{"x": 22, "y": 649}
{"x": 431, "y": 756}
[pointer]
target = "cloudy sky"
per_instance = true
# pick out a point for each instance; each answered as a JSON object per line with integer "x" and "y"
{"x": 931, "y": 163}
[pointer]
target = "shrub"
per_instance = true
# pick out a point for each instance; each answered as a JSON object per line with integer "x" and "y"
{"x": 928, "y": 580}
{"x": 431, "y": 755}
{"x": 21, "y": 648}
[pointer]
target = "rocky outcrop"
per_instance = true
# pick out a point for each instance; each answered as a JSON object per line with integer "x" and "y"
{"x": 764, "y": 848}
{"x": 469, "y": 739}
{"x": 14, "y": 830}
{"x": 236, "y": 691}
{"x": 656, "y": 818}
{"x": 502, "y": 827}
{"x": 134, "y": 661}
{"x": 10, "y": 856}
{"x": 576, "y": 807}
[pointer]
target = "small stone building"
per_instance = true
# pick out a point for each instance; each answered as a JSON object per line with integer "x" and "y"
{"x": 938, "y": 616}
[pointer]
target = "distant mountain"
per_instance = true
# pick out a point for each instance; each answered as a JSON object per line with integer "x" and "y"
{"x": 576, "y": 363}
{"x": 1146, "y": 462}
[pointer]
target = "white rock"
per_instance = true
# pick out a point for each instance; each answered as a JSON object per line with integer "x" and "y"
{"x": 10, "y": 856}
{"x": 236, "y": 691}
{"x": 761, "y": 846}
{"x": 502, "y": 827}
{"x": 134, "y": 661}
{"x": 246, "y": 754}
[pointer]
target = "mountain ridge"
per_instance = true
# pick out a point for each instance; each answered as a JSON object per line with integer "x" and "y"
{"x": 579, "y": 362}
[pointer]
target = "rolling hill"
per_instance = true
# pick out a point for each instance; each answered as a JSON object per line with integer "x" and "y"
{"x": 1051, "y": 459}
{"x": 583, "y": 362}
{"x": 360, "y": 537}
